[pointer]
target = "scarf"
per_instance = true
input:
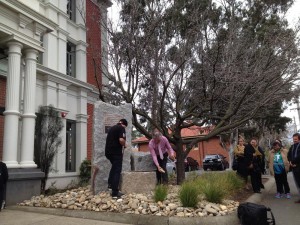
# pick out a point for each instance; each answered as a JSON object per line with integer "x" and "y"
{"x": 257, "y": 152}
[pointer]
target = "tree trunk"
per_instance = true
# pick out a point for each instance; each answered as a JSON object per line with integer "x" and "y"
{"x": 180, "y": 156}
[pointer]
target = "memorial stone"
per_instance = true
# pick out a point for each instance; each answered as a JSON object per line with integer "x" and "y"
{"x": 106, "y": 116}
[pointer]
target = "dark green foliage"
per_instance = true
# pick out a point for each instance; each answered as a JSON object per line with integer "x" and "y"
{"x": 188, "y": 194}
{"x": 216, "y": 186}
{"x": 47, "y": 140}
{"x": 160, "y": 193}
{"x": 85, "y": 172}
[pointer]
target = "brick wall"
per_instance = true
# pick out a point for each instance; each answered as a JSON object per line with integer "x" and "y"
{"x": 90, "y": 112}
{"x": 93, "y": 38}
{"x": 93, "y": 57}
{"x": 2, "y": 104}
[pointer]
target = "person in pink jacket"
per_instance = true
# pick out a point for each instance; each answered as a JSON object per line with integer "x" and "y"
{"x": 279, "y": 167}
{"x": 160, "y": 149}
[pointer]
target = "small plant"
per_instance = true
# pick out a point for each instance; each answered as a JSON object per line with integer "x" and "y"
{"x": 160, "y": 193}
{"x": 188, "y": 194}
{"x": 85, "y": 172}
{"x": 216, "y": 186}
{"x": 232, "y": 182}
{"x": 213, "y": 192}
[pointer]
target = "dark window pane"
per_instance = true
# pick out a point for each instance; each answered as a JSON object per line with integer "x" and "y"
{"x": 71, "y": 146}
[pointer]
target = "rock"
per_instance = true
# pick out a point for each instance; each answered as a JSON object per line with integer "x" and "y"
{"x": 223, "y": 207}
{"x": 153, "y": 208}
{"x": 131, "y": 204}
{"x": 142, "y": 161}
{"x": 138, "y": 182}
{"x": 180, "y": 214}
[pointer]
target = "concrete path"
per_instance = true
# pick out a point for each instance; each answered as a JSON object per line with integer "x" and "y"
{"x": 18, "y": 217}
{"x": 286, "y": 211}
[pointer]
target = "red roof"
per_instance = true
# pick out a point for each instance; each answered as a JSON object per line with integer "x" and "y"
{"x": 185, "y": 133}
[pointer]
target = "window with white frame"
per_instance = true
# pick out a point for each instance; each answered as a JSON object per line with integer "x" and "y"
{"x": 71, "y": 59}
{"x": 71, "y": 9}
{"x": 40, "y": 55}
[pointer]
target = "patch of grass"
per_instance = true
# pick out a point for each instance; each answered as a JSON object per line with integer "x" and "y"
{"x": 160, "y": 193}
{"x": 216, "y": 186}
{"x": 188, "y": 194}
{"x": 213, "y": 192}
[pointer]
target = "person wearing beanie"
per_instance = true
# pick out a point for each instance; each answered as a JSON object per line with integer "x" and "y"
{"x": 114, "y": 147}
{"x": 279, "y": 167}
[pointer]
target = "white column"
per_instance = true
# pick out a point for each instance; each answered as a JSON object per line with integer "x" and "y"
{"x": 11, "y": 119}
{"x": 28, "y": 117}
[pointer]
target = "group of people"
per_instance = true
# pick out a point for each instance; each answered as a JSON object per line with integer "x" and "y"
{"x": 250, "y": 161}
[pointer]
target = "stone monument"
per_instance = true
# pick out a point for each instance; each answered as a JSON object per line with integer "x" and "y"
{"x": 138, "y": 168}
{"x": 106, "y": 116}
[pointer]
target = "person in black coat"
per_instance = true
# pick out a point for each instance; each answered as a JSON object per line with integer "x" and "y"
{"x": 294, "y": 160}
{"x": 114, "y": 147}
{"x": 3, "y": 180}
{"x": 255, "y": 161}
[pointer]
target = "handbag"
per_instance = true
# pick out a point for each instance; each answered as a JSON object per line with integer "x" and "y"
{"x": 251, "y": 213}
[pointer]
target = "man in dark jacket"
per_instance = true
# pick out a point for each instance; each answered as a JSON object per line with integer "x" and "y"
{"x": 115, "y": 143}
{"x": 3, "y": 180}
{"x": 255, "y": 161}
{"x": 294, "y": 159}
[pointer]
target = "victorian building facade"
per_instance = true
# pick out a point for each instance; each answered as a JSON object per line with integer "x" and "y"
{"x": 48, "y": 57}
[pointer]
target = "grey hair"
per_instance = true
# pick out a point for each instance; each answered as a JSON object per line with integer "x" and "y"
{"x": 156, "y": 134}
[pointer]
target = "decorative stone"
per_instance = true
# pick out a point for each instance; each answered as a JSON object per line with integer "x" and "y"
{"x": 138, "y": 182}
{"x": 142, "y": 161}
{"x": 131, "y": 204}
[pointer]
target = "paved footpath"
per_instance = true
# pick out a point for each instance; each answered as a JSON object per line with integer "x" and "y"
{"x": 286, "y": 211}
{"x": 17, "y": 217}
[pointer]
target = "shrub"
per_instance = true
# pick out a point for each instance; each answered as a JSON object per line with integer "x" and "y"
{"x": 216, "y": 186}
{"x": 85, "y": 172}
{"x": 188, "y": 194}
{"x": 232, "y": 182}
{"x": 213, "y": 192}
{"x": 160, "y": 193}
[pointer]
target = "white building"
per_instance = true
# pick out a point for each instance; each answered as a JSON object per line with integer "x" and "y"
{"x": 43, "y": 61}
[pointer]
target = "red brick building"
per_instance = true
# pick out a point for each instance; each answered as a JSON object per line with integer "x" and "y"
{"x": 211, "y": 146}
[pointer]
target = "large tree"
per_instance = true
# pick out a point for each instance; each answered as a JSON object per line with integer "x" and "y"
{"x": 182, "y": 63}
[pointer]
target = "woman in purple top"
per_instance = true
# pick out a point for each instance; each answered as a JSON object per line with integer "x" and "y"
{"x": 160, "y": 149}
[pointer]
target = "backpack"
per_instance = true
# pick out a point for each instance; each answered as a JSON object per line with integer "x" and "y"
{"x": 254, "y": 214}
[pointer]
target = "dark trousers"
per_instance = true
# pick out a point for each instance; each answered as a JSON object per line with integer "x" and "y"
{"x": 115, "y": 172}
{"x": 256, "y": 180}
{"x": 162, "y": 178}
{"x": 282, "y": 184}
{"x": 2, "y": 194}
{"x": 296, "y": 175}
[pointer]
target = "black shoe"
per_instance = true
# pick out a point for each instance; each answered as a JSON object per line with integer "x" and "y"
{"x": 109, "y": 187}
{"x": 259, "y": 192}
{"x": 118, "y": 195}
